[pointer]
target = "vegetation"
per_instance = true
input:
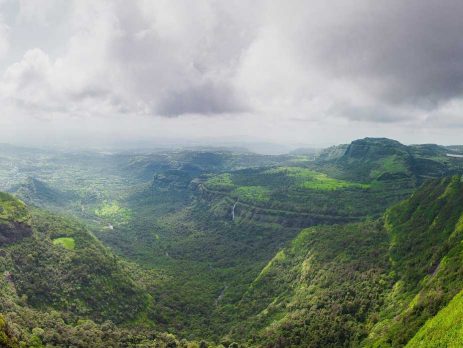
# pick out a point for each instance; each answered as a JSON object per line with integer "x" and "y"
{"x": 220, "y": 182}
{"x": 114, "y": 213}
{"x": 321, "y": 291}
{"x": 373, "y": 283}
{"x": 252, "y": 193}
{"x": 310, "y": 179}
{"x": 87, "y": 298}
{"x": 334, "y": 248}
{"x": 67, "y": 242}
{"x": 12, "y": 209}
{"x": 445, "y": 329}
{"x": 426, "y": 249}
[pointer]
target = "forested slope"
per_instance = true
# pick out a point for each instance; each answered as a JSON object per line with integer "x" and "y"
{"x": 373, "y": 283}
{"x": 426, "y": 259}
{"x": 60, "y": 287}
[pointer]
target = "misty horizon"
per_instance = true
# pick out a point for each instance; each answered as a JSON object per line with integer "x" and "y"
{"x": 238, "y": 145}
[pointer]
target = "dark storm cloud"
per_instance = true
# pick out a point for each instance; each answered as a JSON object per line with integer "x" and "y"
{"x": 207, "y": 99}
{"x": 373, "y": 114}
{"x": 400, "y": 51}
{"x": 181, "y": 67}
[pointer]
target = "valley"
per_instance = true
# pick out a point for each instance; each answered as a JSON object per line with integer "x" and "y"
{"x": 357, "y": 246}
{"x": 231, "y": 174}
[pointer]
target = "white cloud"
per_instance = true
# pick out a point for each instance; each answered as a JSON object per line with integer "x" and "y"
{"x": 156, "y": 58}
{"x": 4, "y": 38}
{"x": 39, "y": 12}
{"x": 236, "y": 67}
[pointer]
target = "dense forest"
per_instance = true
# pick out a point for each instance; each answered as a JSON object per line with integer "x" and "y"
{"x": 359, "y": 245}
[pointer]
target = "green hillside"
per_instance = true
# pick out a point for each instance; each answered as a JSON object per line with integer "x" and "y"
{"x": 373, "y": 283}
{"x": 56, "y": 295}
{"x": 372, "y": 158}
{"x": 426, "y": 258}
{"x": 321, "y": 291}
{"x": 445, "y": 329}
{"x": 359, "y": 246}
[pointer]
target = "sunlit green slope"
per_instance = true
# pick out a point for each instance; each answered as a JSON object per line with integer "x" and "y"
{"x": 426, "y": 255}
{"x": 443, "y": 330}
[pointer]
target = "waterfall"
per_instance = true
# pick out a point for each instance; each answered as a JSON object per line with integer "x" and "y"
{"x": 233, "y": 210}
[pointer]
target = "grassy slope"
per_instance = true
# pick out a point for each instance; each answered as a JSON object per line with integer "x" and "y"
{"x": 443, "y": 330}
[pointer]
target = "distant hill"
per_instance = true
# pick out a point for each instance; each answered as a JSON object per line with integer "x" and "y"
{"x": 374, "y": 148}
{"x": 310, "y": 151}
{"x": 372, "y": 158}
{"x": 456, "y": 148}
{"x": 385, "y": 159}
{"x": 37, "y": 192}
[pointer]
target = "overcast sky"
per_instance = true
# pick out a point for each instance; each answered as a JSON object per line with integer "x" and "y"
{"x": 293, "y": 72}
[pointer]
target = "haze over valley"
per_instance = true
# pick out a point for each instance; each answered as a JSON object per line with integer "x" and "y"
{"x": 179, "y": 174}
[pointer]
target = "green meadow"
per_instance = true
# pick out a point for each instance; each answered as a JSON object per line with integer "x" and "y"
{"x": 66, "y": 242}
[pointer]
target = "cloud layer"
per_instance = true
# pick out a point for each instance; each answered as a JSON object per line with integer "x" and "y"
{"x": 292, "y": 68}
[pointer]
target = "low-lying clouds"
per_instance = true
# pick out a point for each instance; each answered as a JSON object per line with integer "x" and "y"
{"x": 287, "y": 71}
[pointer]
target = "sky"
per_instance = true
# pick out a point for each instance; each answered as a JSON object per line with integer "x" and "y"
{"x": 298, "y": 73}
